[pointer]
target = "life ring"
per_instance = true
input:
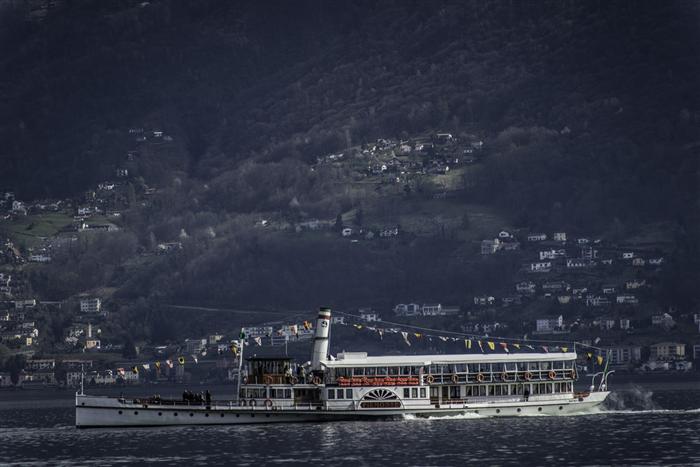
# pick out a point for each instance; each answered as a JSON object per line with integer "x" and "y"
{"x": 316, "y": 380}
{"x": 267, "y": 379}
{"x": 242, "y": 402}
{"x": 253, "y": 403}
{"x": 552, "y": 374}
{"x": 430, "y": 379}
{"x": 268, "y": 403}
{"x": 455, "y": 378}
{"x": 528, "y": 376}
{"x": 480, "y": 377}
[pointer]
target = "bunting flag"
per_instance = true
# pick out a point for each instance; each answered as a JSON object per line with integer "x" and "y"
{"x": 242, "y": 335}
{"x": 545, "y": 348}
{"x": 468, "y": 343}
{"x": 564, "y": 349}
{"x": 146, "y": 366}
{"x": 492, "y": 345}
{"x": 195, "y": 359}
{"x": 121, "y": 371}
{"x": 481, "y": 347}
{"x": 597, "y": 339}
{"x": 294, "y": 329}
{"x": 181, "y": 360}
{"x": 443, "y": 338}
{"x": 135, "y": 370}
{"x": 307, "y": 325}
{"x": 504, "y": 346}
{"x": 381, "y": 333}
{"x": 157, "y": 366}
{"x": 418, "y": 335}
{"x": 600, "y": 360}
{"x": 405, "y": 338}
{"x": 234, "y": 349}
{"x": 258, "y": 340}
{"x": 517, "y": 346}
{"x": 589, "y": 356}
{"x": 169, "y": 363}
{"x": 530, "y": 347}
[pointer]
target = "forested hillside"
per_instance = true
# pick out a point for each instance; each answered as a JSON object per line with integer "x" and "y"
{"x": 589, "y": 112}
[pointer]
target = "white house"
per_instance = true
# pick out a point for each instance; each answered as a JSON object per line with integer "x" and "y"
{"x": 537, "y": 237}
{"x": 407, "y": 309}
{"x": 542, "y": 266}
{"x": 628, "y": 299}
{"x": 578, "y": 263}
{"x": 527, "y": 287}
{"x": 559, "y": 236}
{"x": 549, "y": 325}
{"x": 90, "y": 305}
{"x": 432, "y": 309}
{"x": 627, "y": 255}
{"x": 368, "y": 315}
{"x": 347, "y": 231}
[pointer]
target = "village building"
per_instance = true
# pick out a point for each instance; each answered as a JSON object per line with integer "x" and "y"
{"x": 548, "y": 325}
{"x": 627, "y": 299}
{"x": 368, "y": 315}
{"x": 578, "y": 263}
{"x": 40, "y": 364}
{"x": 667, "y": 351}
{"x": 542, "y": 266}
{"x": 537, "y": 237}
{"x": 624, "y": 324}
{"x": 556, "y": 286}
{"x": 526, "y": 287}
{"x": 663, "y": 320}
{"x": 624, "y": 355}
{"x": 484, "y": 300}
{"x": 407, "y": 309}
{"x": 596, "y": 300}
{"x": 559, "y": 236}
{"x": 90, "y": 305}
{"x": 635, "y": 284}
{"x": 431, "y": 309}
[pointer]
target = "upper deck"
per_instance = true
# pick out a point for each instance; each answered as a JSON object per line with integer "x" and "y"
{"x": 361, "y": 359}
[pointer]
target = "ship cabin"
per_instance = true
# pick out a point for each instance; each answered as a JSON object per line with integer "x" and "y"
{"x": 272, "y": 381}
{"x": 451, "y": 379}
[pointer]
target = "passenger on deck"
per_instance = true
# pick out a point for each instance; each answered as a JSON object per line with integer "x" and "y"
{"x": 288, "y": 373}
{"x": 526, "y": 394}
{"x": 302, "y": 378}
{"x": 207, "y": 397}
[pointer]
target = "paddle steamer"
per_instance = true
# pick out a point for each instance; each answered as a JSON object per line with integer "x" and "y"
{"x": 354, "y": 385}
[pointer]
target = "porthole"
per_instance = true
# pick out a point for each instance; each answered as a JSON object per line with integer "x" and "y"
{"x": 136, "y": 412}
{"x": 206, "y": 414}
{"x": 120, "y": 412}
{"x": 519, "y": 410}
{"x": 222, "y": 415}
{"x": 498, "y": 410}
{"x": 252, "y": 415}
{"x": 561, "y": 408}
{"x": 191, "y": 414}
{"x": 476, "y": 411}
{"x": 82, "y": 403}
{"x": 539, "y": 409}
{"x": 237, "y": 415}
{"x": 160, "y": 414}
{"x": 267, "y": 415}
{"x": 175, "y": 414}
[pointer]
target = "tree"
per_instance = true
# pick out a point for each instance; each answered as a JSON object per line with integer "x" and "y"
{"x": 359, "y": 218}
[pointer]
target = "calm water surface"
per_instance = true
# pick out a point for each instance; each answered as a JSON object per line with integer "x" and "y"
{"x": 644, "y": 425}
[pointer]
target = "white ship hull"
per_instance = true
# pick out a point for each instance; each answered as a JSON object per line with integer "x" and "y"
{"x": 95, "y": 411}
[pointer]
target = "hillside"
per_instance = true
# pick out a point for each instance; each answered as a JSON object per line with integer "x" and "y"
{"x": 212, "y": 120}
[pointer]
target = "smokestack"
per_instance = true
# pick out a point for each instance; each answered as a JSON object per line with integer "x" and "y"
{"x": 323, "y": 325}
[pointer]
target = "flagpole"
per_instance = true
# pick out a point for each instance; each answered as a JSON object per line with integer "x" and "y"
{"x": 240, "y": 368}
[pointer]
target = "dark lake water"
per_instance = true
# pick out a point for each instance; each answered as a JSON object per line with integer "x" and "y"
{"x": 653, "y": 424}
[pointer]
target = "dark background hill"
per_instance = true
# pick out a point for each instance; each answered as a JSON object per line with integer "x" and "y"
{"x": 590, "y": 110}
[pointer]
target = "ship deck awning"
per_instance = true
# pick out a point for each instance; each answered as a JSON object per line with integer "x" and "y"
{"x": 352, "y": 359}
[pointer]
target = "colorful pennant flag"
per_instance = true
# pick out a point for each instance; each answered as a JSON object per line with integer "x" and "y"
{"x": 121, "y": 371}
{"x": 405, "y": 338}
{"x": 546, "y": 350}
{"x": 600, "y": 360}
{"x": 492, "y": 345}
{"x": 169, "y": 363}
{"x": 146, "y": 366}
{"x": 135, "y": 370}
{"x": 258, "y": 340}
{"x": 157, "y": 366}
{"x": 589, "y": 356}
{"x": 468, "y": 343}
{"x": 504, "y": 346}
{"x": 517, "y": 346}
{"x": 381, "y": 333}
{"x": 564, "y": 349}
{"x": 418, "y": 335}
{"x": 481, "y": 347}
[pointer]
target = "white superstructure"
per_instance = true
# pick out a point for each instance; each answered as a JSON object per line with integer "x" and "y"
{"x": 355, "y": 385}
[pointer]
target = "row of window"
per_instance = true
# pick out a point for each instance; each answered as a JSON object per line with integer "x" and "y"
{"x": 483, "y": 390}
{"x": 451, "y": 368}
{"x": 412, "y": 393}
{"x": 259, "y": 393}
{"x": 339, "y": 394}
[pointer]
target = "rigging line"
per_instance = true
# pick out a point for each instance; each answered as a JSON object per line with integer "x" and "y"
{"x": 461, "y": 333}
